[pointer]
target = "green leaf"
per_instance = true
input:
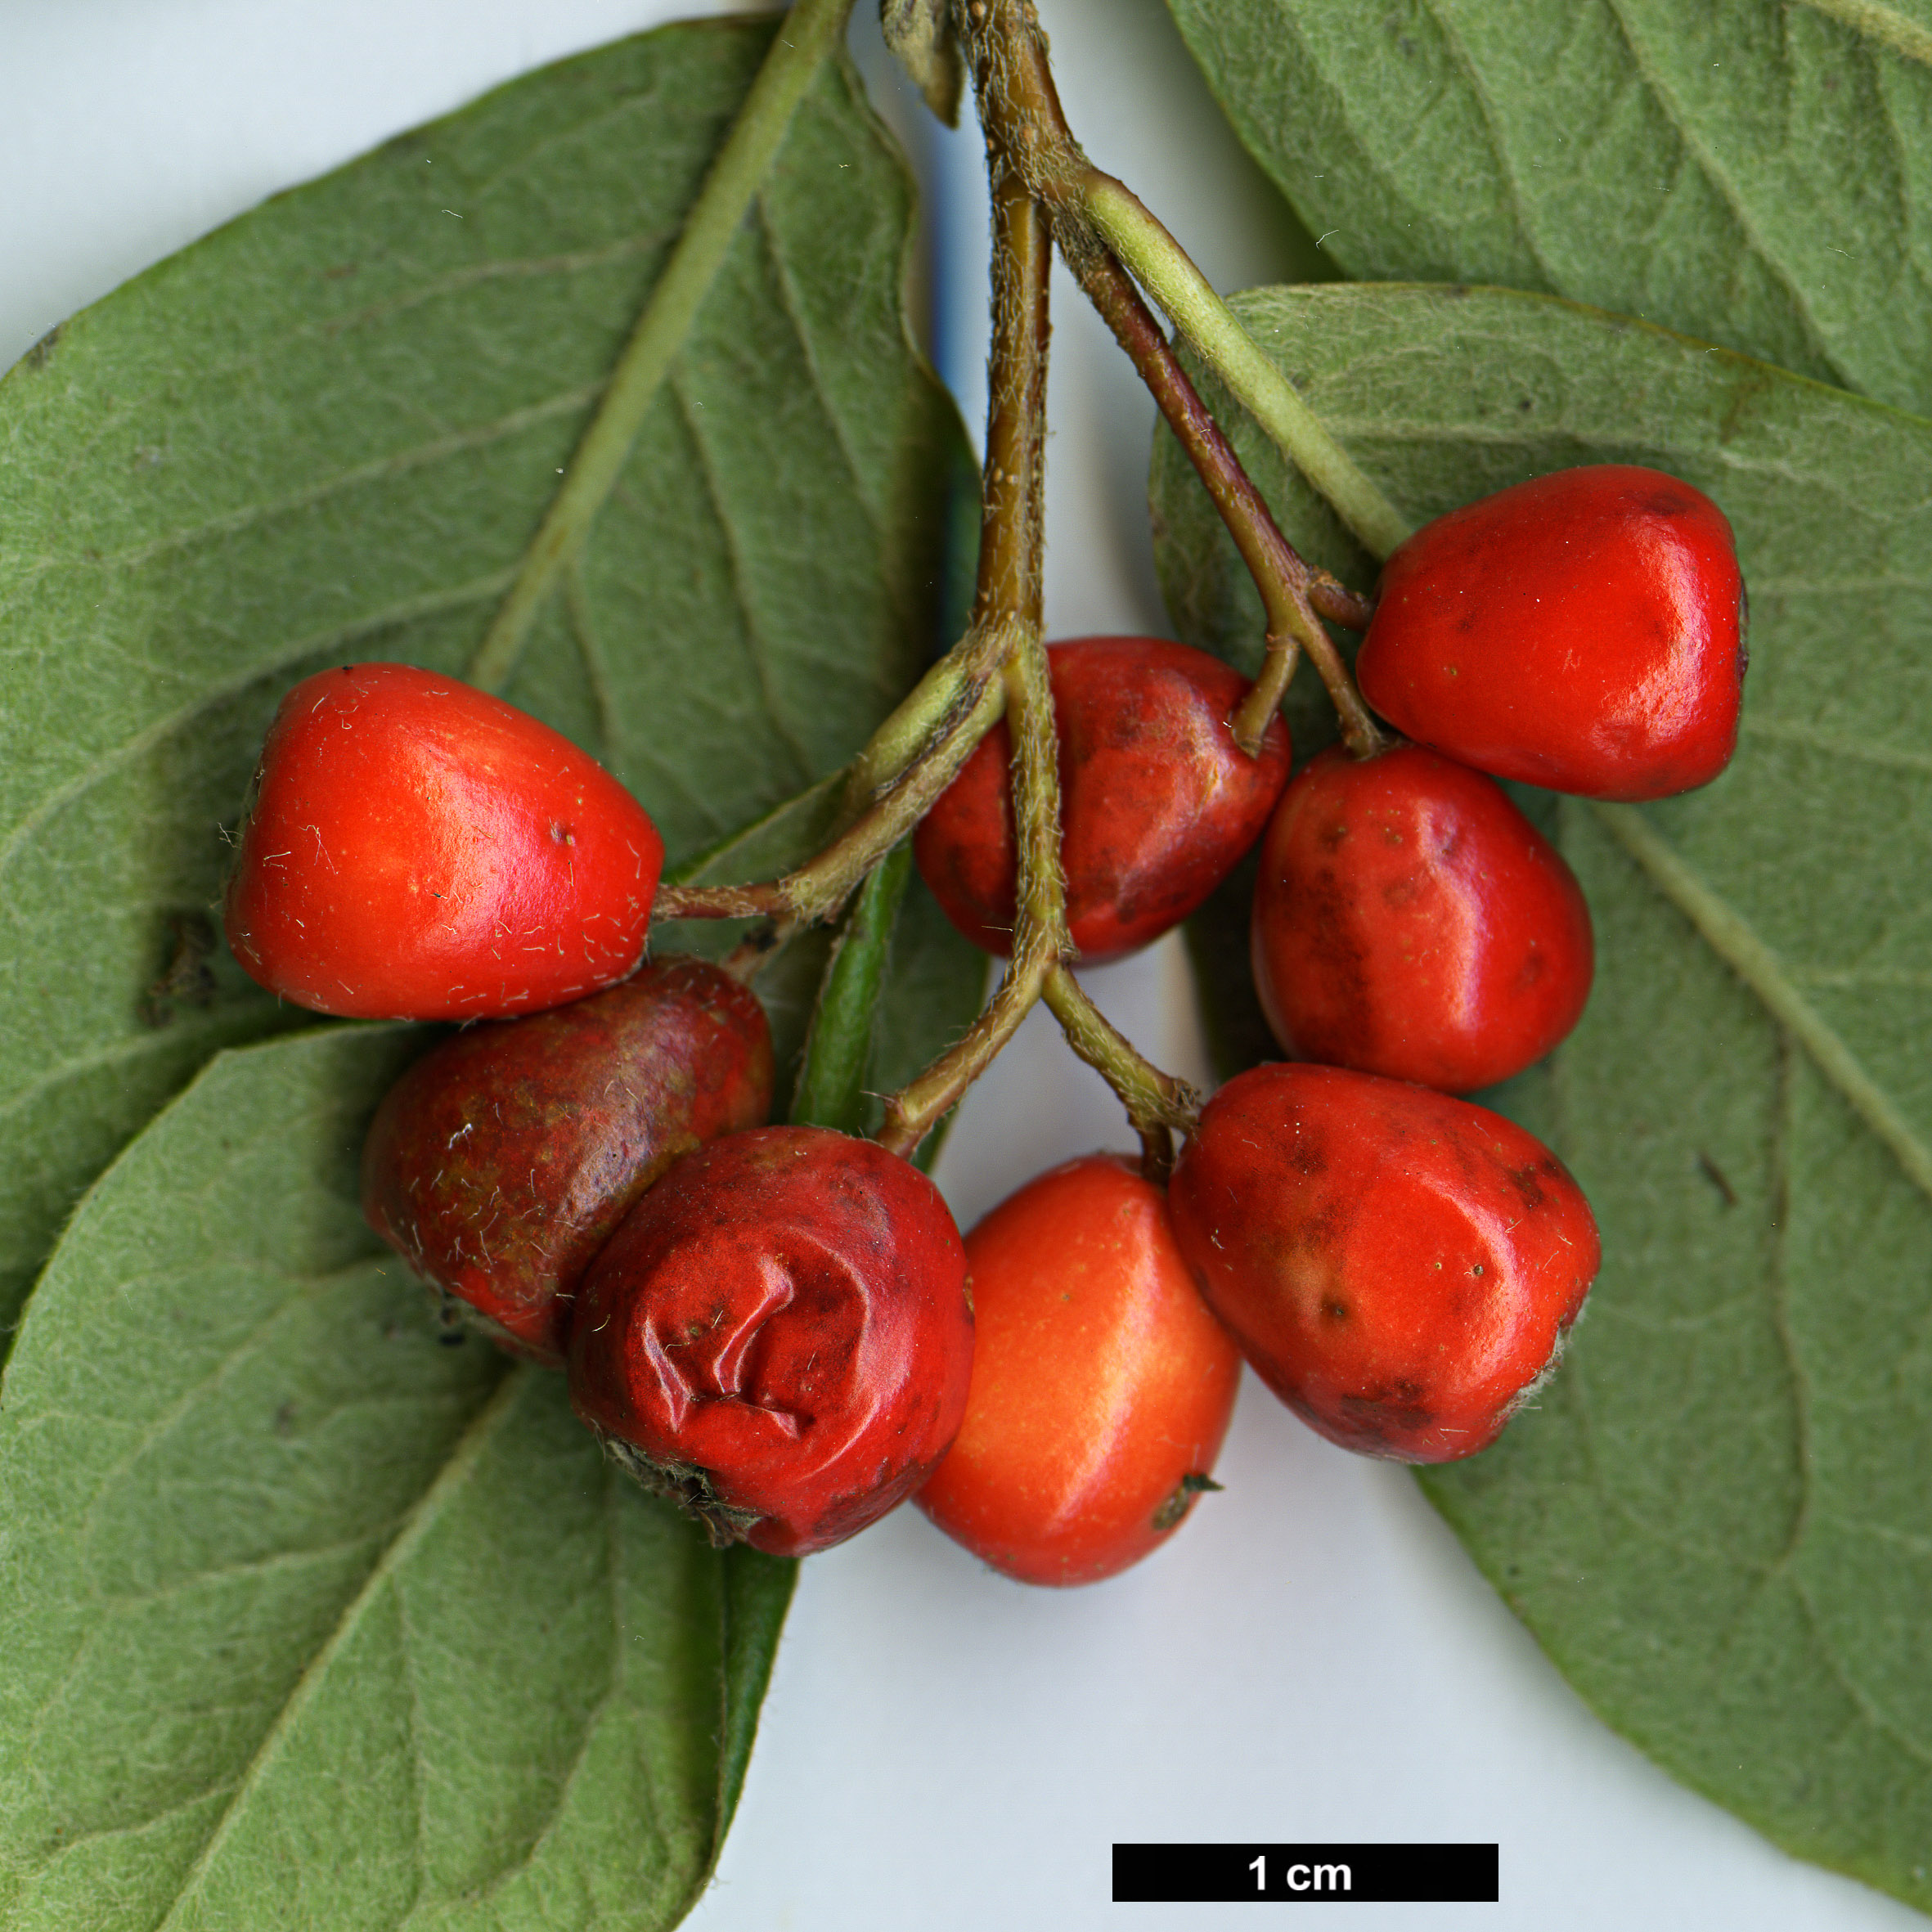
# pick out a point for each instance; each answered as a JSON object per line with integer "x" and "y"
{"x": 1717, "y": 1523}
{"x": 1751, "y": 172}
{"x": 327, "y": 432}
{"x": 309, "y": 1620}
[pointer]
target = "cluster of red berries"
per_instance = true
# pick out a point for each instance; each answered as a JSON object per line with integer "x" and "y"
{"x": 775, "y": 1324}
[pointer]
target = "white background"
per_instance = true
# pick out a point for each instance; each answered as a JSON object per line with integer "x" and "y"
{"x": 1313, "y": 1657}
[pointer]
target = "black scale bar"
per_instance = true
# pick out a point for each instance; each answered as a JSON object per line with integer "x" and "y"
{"x": 1305, "y": 1874}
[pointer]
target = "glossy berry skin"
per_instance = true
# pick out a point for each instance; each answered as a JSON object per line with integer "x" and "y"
{"x": 1158, "y": 802}
{"x": 500, "y": 1163}
{"x": 1409, "y": 921}
{"x": 1399, "y": 1267}
{"x": 1101, "y": 1386}
{"x": 1584, "y": 631}
{"x": 779, "y": 1336}
{"x": 417, "y": 849}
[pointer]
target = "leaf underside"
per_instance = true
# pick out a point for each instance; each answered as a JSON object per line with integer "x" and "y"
{"x": 1750, "y": 172}
{"x": 325, "y": 432}
{"x": 1718, "y": 1522}
{"x": 309, "y": 1618}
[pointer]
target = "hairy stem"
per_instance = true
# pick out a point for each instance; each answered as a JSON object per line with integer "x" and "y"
{"x": 1040, "y": 932}
{"x": 810, "y": 31}
{"x": 1153, "y": 1099}
{"x": 949, "y": 694}
{"x": 817, "y": 890}
{"x": 1020, "y": 109}
{"x": 1009, "y": 594}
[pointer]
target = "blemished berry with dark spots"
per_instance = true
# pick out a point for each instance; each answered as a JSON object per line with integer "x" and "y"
{"x": 1158, "y": 802}
{"x": 500, "y": 1164}
{"x": 1101, "y": 1386}
{"x": 779, "y": 1336}
{"x": 1399, "y": 1266}
{"x": 1584, "y": 631}
{"x": 1409, "y": 921}
{"x": 416, "y": 849}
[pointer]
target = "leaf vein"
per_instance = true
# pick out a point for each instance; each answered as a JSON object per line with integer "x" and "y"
{"x": 1861, "y": 1701}
{"x": 788, "y": 294}
{"x": 413, "y": 1528}
{"x": 475, "y": 274}
{"x": 116, "y": 757}
{"x": 755, "y": 639}
{"x": 1779, "y": 731}
{"x": 420, "y": 455}
{"x": 1684, "y": 125}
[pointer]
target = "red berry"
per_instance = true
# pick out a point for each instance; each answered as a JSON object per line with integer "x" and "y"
{"x": 1399, "y": 1267}
{"x": 1584, "y": 631}
{"x": 416, "y": 849}
{"x": 500, "y": 1163}
{"x": 1101, "y": 1386}
{"x": 1409, "y": 921}
{"x": 1157, "y": 800}
{"x": 780, "y": 1336}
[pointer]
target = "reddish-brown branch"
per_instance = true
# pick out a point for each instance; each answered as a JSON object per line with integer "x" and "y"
{"x": 1020, "y": 109}
{"x": 1292, "y": 591}
{"x": 1279, "y": 568}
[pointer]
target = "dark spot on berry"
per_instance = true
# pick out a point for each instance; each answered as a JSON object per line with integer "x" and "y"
{"x": 1668, "y": 501}
{"x": 1337, "y": 1019}
{"x": 1529, "y": 1189}
{"x": 1391, "y": 1418}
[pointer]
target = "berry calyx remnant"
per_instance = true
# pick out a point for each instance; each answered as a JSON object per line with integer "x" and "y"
{"x": 1399, "y": 1267}
{"x": 417, "y": 849}
{"x": 1157, "y": 801}
{"x": 1101, "y": 1386}
{"x": 501, "y": 1162}
{"x": 1409, "y": 921}
{"x": 779, "y": 1336}
{"x": 1584, "y": 631}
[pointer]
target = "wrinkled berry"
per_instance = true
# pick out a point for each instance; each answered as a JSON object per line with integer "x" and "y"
{"x": 779, "y": 1336}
